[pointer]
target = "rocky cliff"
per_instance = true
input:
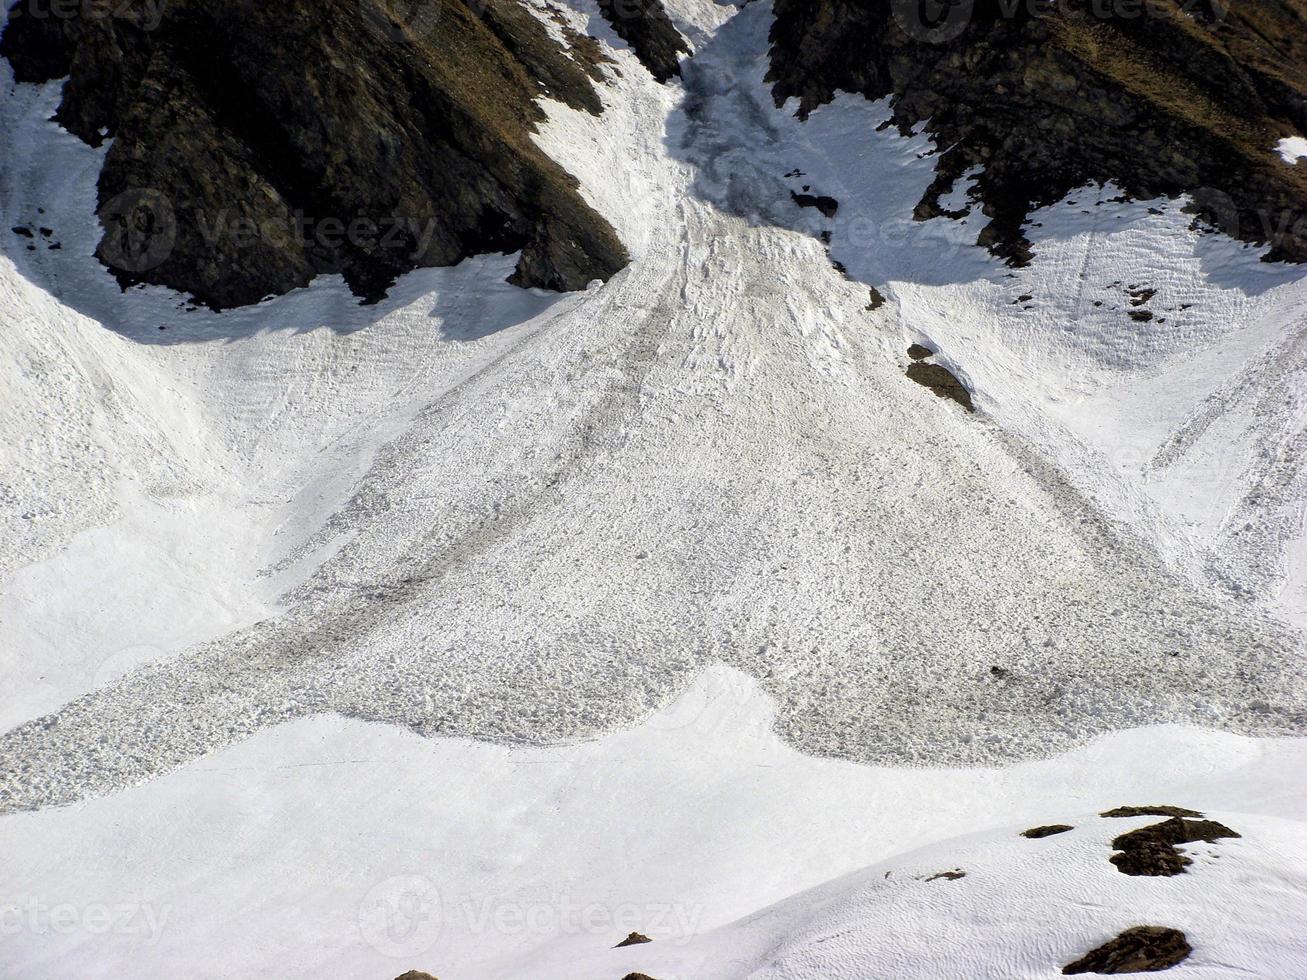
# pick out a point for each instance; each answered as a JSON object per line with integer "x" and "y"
{"x": 1162, "y": 97}
{"x": 645, "y": 26}
{"x": 256, "y": 145}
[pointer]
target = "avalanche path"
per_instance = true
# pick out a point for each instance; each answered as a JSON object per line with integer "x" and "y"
{"x": 715, "y": 458}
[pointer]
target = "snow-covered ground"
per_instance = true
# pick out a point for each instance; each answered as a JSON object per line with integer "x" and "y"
{"x": 674, "y": 530}
{"x": 337, "y": 847}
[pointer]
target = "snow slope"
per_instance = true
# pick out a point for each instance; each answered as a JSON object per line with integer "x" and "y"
{"x": 1188, "y": 426}
{"x": 232, "y": 541}
{"x": 699, "y": 828}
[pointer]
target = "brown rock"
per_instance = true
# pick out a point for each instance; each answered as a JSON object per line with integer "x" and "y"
{"x": 947, "y": 875}
{"x": 415, "y": 975}
{"x": 941, "y": 381}
{"x": 1152, "y": 850}
{"x": 634, "y": 939}
{"x": 1143, "y": 949}
{"x": 1034, "y": 833}
{"x": 1150, "y": 811}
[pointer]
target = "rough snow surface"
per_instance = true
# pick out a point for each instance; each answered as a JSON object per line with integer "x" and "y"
{"x": 714, "y": 458}
{"x": 673, "y": 530}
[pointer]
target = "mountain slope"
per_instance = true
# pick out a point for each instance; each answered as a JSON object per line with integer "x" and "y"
{"x": 715, "y": 457}
{"x": 473, "y": 629}
{"x": 1162, "y": 98}
{"x": 256, "y": 146}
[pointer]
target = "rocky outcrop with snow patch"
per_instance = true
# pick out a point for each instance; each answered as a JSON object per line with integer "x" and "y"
{"x": 258, "y": 145}
{"x": 1164, "y": 98}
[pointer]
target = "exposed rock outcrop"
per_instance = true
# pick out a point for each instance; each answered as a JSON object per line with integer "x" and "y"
{"x": 941, "y": 381}
{"x": 1165, "y": 810}
{"x": 953, "y": 875}
{"x": 1163, "y": 98}
{"x": 827, "y": 205}
{"x": 645, "y": 26}
{"x": 634, "y": 939}
{"x": 1036, "y": 833}
{"x": 1153, "y": 850}
{"x": 1143, "y": 949}
{"x": 257, "y": 145}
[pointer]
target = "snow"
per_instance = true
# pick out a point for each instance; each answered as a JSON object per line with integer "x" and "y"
{"x": 700, "y": 828}
{"x": 1176, "y": 427}
{"x": 725, "y": 601}
{"x": 1292, "y": 149}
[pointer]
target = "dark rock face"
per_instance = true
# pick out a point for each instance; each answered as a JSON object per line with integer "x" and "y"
{"x": 1035, "y": 833}
{"x": 257, "y": 145}
{"x": 1163, "y": 98}
{"x": 645, "y": 26}
{"x": 828, "y": 206}
{"x": 1143, "y": 949}
{"x": 415, "y": 975}
{"x": 1152, "y": 850}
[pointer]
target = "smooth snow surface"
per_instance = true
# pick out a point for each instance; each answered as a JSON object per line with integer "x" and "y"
{"x": 700, "y": 829}
{"x": 229, "y": 543}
